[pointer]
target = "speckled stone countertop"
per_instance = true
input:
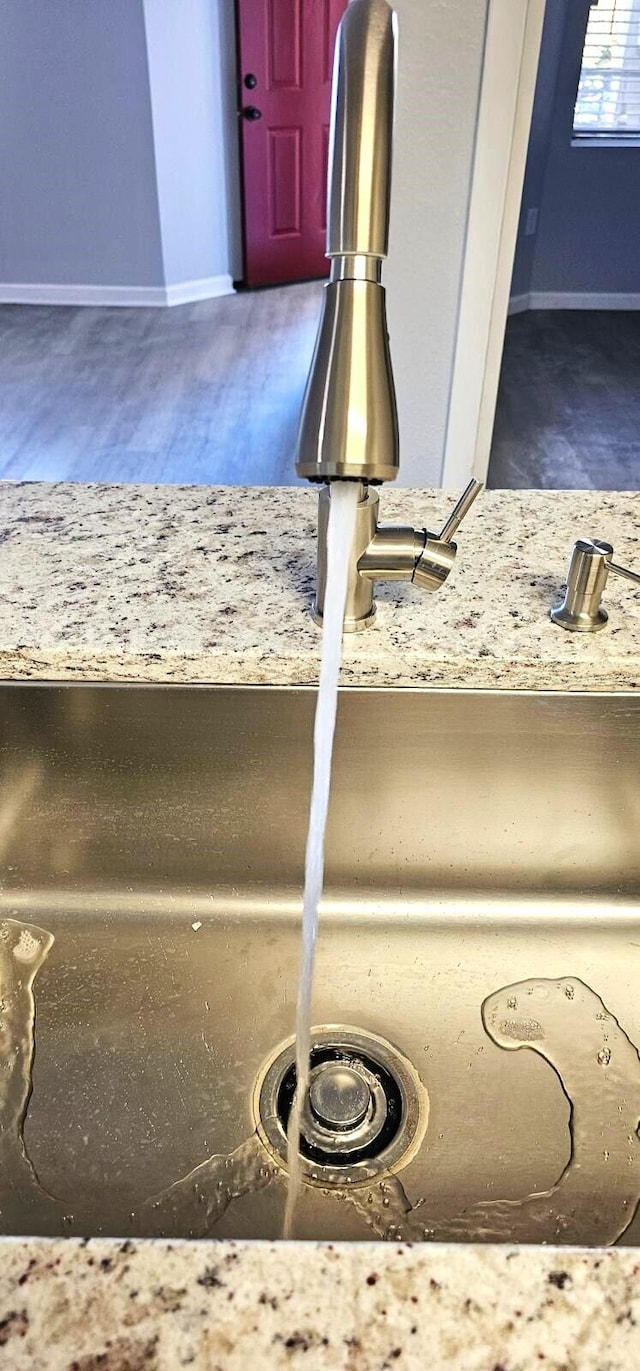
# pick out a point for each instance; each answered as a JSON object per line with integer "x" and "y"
{"x": 198, "y": 584}
{"x": 108, "y": 1306}
{"x": 194, "y": 584}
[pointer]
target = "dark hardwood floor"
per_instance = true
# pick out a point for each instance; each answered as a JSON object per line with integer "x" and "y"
{"x": 568, "y": 411}
{"x": 211, "y": 393}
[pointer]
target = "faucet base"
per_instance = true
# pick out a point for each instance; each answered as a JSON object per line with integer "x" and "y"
{"x": 360, "y": 608}
{"x": 351, "y": 625}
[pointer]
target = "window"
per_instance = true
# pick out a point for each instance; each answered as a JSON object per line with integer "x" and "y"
{"x": 608, "y": 102}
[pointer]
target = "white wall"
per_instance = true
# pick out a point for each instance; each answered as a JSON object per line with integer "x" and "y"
{"x": 441, "y": 49}
{"x": 230, "y": 141}
{"x": 185, "y": 76}
{"x": 77, "y": 175}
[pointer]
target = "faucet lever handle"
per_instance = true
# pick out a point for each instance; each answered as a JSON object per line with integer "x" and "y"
{"x": 439, "y": 553}
{"x": 457, "y": 514}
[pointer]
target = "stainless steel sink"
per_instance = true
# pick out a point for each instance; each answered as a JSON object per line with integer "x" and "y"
{"x": 483, "y": 875}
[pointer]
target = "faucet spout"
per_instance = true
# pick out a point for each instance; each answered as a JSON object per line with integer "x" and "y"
{"x": 349, "y": 423}
{"x": 361, "y": 131}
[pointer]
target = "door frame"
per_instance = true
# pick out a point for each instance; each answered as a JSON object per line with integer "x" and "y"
{"x": 510, "y": 66}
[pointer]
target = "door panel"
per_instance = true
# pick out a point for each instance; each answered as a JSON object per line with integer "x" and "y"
{"x": 287, "y": 46}
{"x": 284, "y": 45}
{"x": 285, "y": 169}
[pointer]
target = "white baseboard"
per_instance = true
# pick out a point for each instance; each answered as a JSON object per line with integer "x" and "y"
{"x": 127, "y": 297}
{"x": 551, "y": 299}
{"x": 568, "y": 299}
{"x": 209, "y": 288}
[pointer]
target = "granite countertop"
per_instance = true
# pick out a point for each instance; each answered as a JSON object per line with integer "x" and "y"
{"x": 125, "y": 1306}
{"x": 197, "y": 584}
{"x": 213, "y": 585}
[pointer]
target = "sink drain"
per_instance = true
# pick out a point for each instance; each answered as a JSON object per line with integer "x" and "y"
{"x": 366, "y": 1110}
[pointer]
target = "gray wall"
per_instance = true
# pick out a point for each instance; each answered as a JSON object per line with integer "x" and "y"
{"x": 589, "y": 198}
{"x": 118, "y": 142}
{"x": 539, "y": 140}
{"x": 185, "y": 71}
{"x": 77, "y": 175}
{"x": 441, "y": 51}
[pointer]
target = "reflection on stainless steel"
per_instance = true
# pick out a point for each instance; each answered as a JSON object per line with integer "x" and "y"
{"x": 475, "y": 840}
{"x": 581, "y": 610}
{"x": 349, "y": 423}
{"x": 17, "y": 795}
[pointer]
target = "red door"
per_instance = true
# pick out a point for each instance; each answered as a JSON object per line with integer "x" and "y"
{"x": 286, "y": 58}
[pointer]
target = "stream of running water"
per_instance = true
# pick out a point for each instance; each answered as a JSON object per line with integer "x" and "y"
{"x": 342, "y": 518}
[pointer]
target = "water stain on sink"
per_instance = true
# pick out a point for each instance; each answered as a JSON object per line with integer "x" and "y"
{"x": 23, "y": 950}
{"x": 196, "y": 1203}
{"x": 565, "y": 1021}
{"x": 595, "y": 1199}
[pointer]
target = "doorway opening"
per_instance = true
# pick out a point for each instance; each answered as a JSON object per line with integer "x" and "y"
{"x": 568, "y": 406}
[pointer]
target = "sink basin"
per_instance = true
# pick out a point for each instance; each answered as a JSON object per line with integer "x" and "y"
{"x": 482, "y": 919}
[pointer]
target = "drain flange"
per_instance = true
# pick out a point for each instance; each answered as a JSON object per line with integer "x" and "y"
{"x": 365, "y": 1113}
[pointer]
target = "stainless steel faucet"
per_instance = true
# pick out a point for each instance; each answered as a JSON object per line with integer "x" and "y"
{"x": 349, "y": 422}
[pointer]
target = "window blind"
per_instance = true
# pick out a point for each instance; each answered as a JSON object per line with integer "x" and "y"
{"x": 608, "y": 101}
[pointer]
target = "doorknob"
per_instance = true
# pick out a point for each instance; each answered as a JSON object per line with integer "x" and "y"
{"x": 251, "y": 113}
{"x": 250, "y": 81}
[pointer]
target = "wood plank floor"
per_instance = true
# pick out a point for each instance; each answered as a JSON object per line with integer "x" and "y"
{"x": 211, "y": 393}
{"x": 568, "y": 411}
{"x": 208, "y": 392}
